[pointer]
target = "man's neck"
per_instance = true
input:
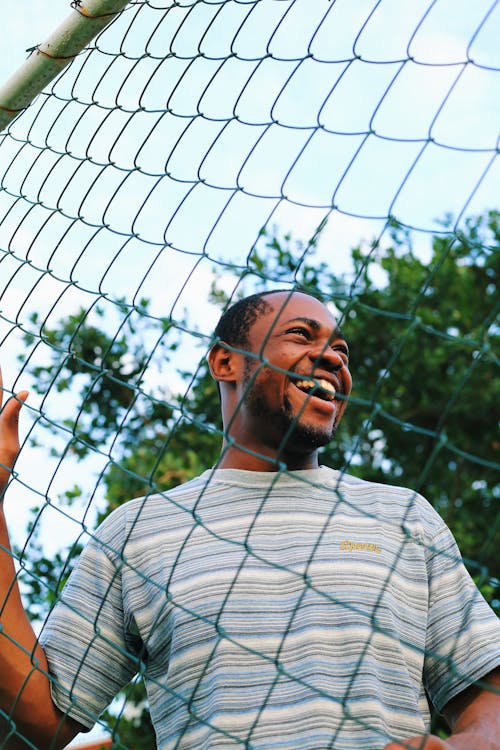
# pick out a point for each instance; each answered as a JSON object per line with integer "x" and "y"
{"x": 233, "y": 457}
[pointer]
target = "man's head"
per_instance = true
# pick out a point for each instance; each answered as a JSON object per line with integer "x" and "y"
{"x": 235, "y": 323}
{"x": 281, "y": 363}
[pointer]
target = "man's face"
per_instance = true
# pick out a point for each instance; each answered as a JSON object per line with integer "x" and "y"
{"x": 294, "y": 408}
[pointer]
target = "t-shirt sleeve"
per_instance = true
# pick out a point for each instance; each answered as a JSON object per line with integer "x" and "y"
{"x": 89, "y": 652}
{"x": 463, "y": 632}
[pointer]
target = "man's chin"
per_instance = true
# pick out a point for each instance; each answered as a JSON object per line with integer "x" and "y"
{"x": 284, "y": 429}
{"x": 305, "y": 437}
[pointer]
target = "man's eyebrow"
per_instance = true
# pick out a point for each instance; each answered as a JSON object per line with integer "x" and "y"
{"x": 316, "y": 325}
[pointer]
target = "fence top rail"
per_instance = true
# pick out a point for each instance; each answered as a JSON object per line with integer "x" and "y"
{"x": 47, "y": 60}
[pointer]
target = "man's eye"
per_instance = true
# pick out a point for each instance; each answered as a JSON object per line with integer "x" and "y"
{"x": 301, "y": 331}
{"x": 343, "y": 351}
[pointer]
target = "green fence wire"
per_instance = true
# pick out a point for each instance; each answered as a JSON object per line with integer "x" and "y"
{"x": 199, "y": 150}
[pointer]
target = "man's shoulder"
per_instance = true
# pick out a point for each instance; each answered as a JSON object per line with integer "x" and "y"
{"x": 392, "y": 501}
{"x": 152, "y": 507}
{"x": 354, "y": 484}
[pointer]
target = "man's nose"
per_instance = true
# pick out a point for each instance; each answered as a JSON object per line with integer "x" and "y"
{"x": 324, "y": 356}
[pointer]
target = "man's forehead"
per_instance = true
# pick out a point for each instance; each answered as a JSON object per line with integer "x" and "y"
{"x": 289, "y": 306}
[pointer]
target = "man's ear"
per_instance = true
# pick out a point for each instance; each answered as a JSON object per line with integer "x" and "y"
{"x": 223, "y": 363}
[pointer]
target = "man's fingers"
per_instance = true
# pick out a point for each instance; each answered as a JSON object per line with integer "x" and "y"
{"x": 18, "y": 400}
{"x": 10, "y": 412}
{"x": 9, "y": 435}
{"x": 9, "y": 416}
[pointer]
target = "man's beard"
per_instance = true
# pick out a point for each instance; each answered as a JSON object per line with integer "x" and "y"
{"x": 292, "y": 435}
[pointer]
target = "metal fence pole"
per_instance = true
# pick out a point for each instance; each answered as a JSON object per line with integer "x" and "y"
{"x": 47, "y": 60}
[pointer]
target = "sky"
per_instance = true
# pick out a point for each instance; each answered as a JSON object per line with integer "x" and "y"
{"x": 277, "y": 111}
{"x": 31, "y": 23}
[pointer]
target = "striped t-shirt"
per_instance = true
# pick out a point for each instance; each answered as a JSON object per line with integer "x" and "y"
{"x": 267, "y": 610}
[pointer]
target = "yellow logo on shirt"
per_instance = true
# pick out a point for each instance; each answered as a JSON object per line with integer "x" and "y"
{"x": 347, "y": 546}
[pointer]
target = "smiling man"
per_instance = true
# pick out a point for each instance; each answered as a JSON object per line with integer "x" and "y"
{"x": 282, "y": 368}
{"x": 270, "y": 603}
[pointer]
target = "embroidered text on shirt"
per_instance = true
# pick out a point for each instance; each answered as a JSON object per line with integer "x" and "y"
{"x": 347, "y": 546}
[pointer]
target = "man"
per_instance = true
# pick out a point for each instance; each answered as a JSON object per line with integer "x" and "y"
{"x": 270, "y": 603}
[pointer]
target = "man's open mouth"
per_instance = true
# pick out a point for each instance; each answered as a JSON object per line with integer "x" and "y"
{"x": 320, "y": 388}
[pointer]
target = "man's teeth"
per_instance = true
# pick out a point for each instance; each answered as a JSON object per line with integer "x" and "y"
{"x": 322, "y": 388}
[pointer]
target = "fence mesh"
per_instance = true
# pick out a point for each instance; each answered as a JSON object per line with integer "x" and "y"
{"x": 198, "y": 150}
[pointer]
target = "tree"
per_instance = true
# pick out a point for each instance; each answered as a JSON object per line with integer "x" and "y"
{"x": 424, "y": 350}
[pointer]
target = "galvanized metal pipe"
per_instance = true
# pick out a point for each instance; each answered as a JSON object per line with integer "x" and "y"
{"x": 88, "y": 18}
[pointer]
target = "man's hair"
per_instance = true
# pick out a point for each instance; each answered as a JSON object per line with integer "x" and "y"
{"x": 236, "y": 321}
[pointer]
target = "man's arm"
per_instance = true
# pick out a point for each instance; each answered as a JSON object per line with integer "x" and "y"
{"x": 474, "y": 717}
{"x": 24, "y": 688}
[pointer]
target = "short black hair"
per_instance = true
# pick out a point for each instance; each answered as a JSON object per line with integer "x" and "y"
{"x": 236, "y": 321}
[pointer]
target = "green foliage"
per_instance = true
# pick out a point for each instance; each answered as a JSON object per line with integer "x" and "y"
{"x": 424, "y": 350}
{"x": 105, "y": 369}
{"x": 132, "y": 731}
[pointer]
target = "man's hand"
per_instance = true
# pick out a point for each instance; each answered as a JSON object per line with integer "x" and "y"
{"x": 474, "y": 715}
{"x": 25, "y": 696}
{"x": 9, "y": 434}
